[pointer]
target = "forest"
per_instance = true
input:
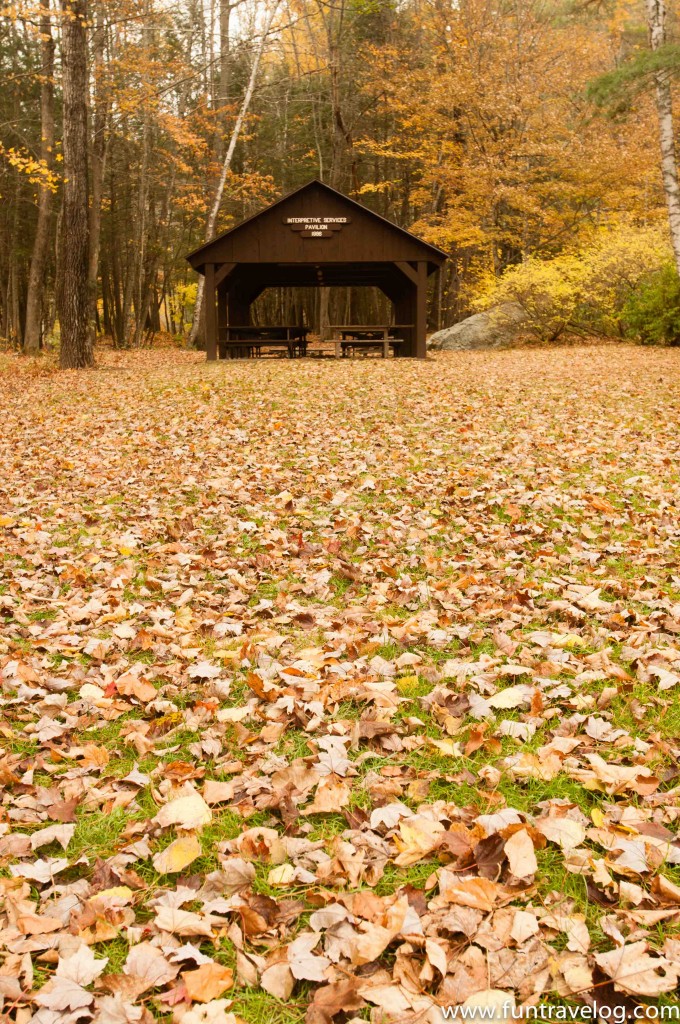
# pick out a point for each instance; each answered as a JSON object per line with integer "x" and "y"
{"x": 520, "y": 136}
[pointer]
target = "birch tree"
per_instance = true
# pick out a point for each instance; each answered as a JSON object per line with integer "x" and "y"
{"x": 656, "y": 18}
{"x": 229, "y": 155}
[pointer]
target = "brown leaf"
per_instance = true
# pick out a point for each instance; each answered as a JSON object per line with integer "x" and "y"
{"x": 209, "y": 981}
{"x": 256, "y": 684}
{"x": 330, "y": 1000}
{"x": 35, "y": 924}
{"x": 479, "y": 893}
{"x": 130, "y": 685}
{"x": 519, "y": 850}
{"x": 148, "y": 968}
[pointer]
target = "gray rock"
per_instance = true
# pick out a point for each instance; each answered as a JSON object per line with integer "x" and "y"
{"x": 494, "y": 328}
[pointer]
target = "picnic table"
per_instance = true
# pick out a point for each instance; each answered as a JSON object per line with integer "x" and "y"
{"x": 247, "y": 340}
{"x": 351, "y": 337}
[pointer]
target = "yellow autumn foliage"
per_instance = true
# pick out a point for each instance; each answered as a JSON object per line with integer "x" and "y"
{"x": 584, "y": 290}
{"x": 548, "y": 291}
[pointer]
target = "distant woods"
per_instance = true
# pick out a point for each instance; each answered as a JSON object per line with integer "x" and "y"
{"x": 129, "y": 129}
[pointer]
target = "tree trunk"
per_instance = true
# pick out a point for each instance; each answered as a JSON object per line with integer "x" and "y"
{"x": 223, "y": 82}
{"x": 225, "y": 56}
{"x": 74, "y": 299}
{"x": 98, "y": 163}
{"x": 41, "y": 244}
{"x": 656, "y": 17}
{"x": 226, "y": 164}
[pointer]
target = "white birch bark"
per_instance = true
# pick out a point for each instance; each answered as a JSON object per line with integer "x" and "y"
{"x": 656, "y": 18}
{"x": 226, "y": 163}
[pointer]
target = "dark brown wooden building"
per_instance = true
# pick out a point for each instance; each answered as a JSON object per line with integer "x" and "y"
{"x": 316, "y": 236}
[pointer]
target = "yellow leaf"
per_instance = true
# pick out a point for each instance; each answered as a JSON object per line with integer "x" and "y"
{"x": 118, "y": 894}
{"x": 446, "y": 747}
{"x": 282, "y": 875}
{"x": 94, "y": 756}
{"x": 406, "y": 684}
{"x": 178, "y": 855}
{"x": 183, "y": 617}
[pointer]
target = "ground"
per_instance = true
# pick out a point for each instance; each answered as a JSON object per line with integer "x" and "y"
{"x": 339, "y": 689}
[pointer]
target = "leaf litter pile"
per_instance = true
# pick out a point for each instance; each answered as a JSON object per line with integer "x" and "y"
{"x": 339, "y": 691}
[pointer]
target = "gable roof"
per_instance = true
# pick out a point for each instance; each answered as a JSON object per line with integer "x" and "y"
{"x": 200, "y": 256}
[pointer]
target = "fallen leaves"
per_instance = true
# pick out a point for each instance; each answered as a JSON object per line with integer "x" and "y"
{"x": 345, "y": 719}
{"x": 634, "y": 970}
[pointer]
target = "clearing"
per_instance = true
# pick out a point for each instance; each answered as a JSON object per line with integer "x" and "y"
{"x": 346, "y": 689}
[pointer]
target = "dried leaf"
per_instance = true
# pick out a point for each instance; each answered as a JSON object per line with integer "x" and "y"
{"x": 208, "y": 982}
{"x": 178, "y": 855}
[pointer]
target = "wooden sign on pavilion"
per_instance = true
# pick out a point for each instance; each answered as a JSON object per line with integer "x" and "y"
{"x": 316, "y": 236}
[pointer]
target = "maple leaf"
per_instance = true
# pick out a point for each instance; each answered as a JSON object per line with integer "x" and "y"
{"x": 634, "y": 970}
{"x": 63, "y": 994}
{"x": 208, "y": 982}
{"x": 331, "y": 795}
{"x": 519, "y": 849}
{"x": 147, "y": 966}
{"x": 304, "y": 965}
{"x": 566, "y": 832}
{"x": 130, "y": 685}
{"x": 182, "y": 922}
{"x": 62, "y": 834}
{"x": 214, "y": 1012}
{"x": 330, "y": 1000}
{"x": 82, "y": 967}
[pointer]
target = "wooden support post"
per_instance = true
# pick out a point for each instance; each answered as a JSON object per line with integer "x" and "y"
{"x": 210, "y": 313}
{"x": 420, "y": 331}
{"x": 222, "y": 321}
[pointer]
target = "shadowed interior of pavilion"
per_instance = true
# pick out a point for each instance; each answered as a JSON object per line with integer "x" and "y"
{"x": 315, "y": 237}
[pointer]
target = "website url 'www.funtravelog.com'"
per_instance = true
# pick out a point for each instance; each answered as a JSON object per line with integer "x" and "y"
{"x": 593, "y": 1012}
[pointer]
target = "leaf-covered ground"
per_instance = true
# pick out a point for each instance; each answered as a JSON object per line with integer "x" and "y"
{"x": 343, "y": 689}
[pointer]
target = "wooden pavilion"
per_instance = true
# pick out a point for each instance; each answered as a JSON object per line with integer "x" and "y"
{"x": 315, "y": 236}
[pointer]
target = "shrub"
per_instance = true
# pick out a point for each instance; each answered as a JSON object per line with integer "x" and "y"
{"x": 547, "y": 290}
{"x": 652, "y": 311}
{"x": 615, "y": 264}
{"x": 586, "y": 291}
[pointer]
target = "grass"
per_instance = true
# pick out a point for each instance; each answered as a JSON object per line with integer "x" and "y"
{"x": 98, "y": 835}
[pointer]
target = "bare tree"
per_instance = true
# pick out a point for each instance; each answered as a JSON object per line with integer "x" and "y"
{"x": 74, "y": 299}
{"x": 98, "y": 152}
{"x": 41, "y": 244}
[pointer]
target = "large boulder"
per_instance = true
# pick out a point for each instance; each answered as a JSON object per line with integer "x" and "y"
{"x": 494, "y": 328}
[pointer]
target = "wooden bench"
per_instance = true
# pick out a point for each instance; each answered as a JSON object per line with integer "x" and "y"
{"x": 351, "y": 337}
{"x": 367, "y": 344}
{"x": 320, "y": 353}
{"x": 245, "y": 348}
{"x": 247, "y": 340}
